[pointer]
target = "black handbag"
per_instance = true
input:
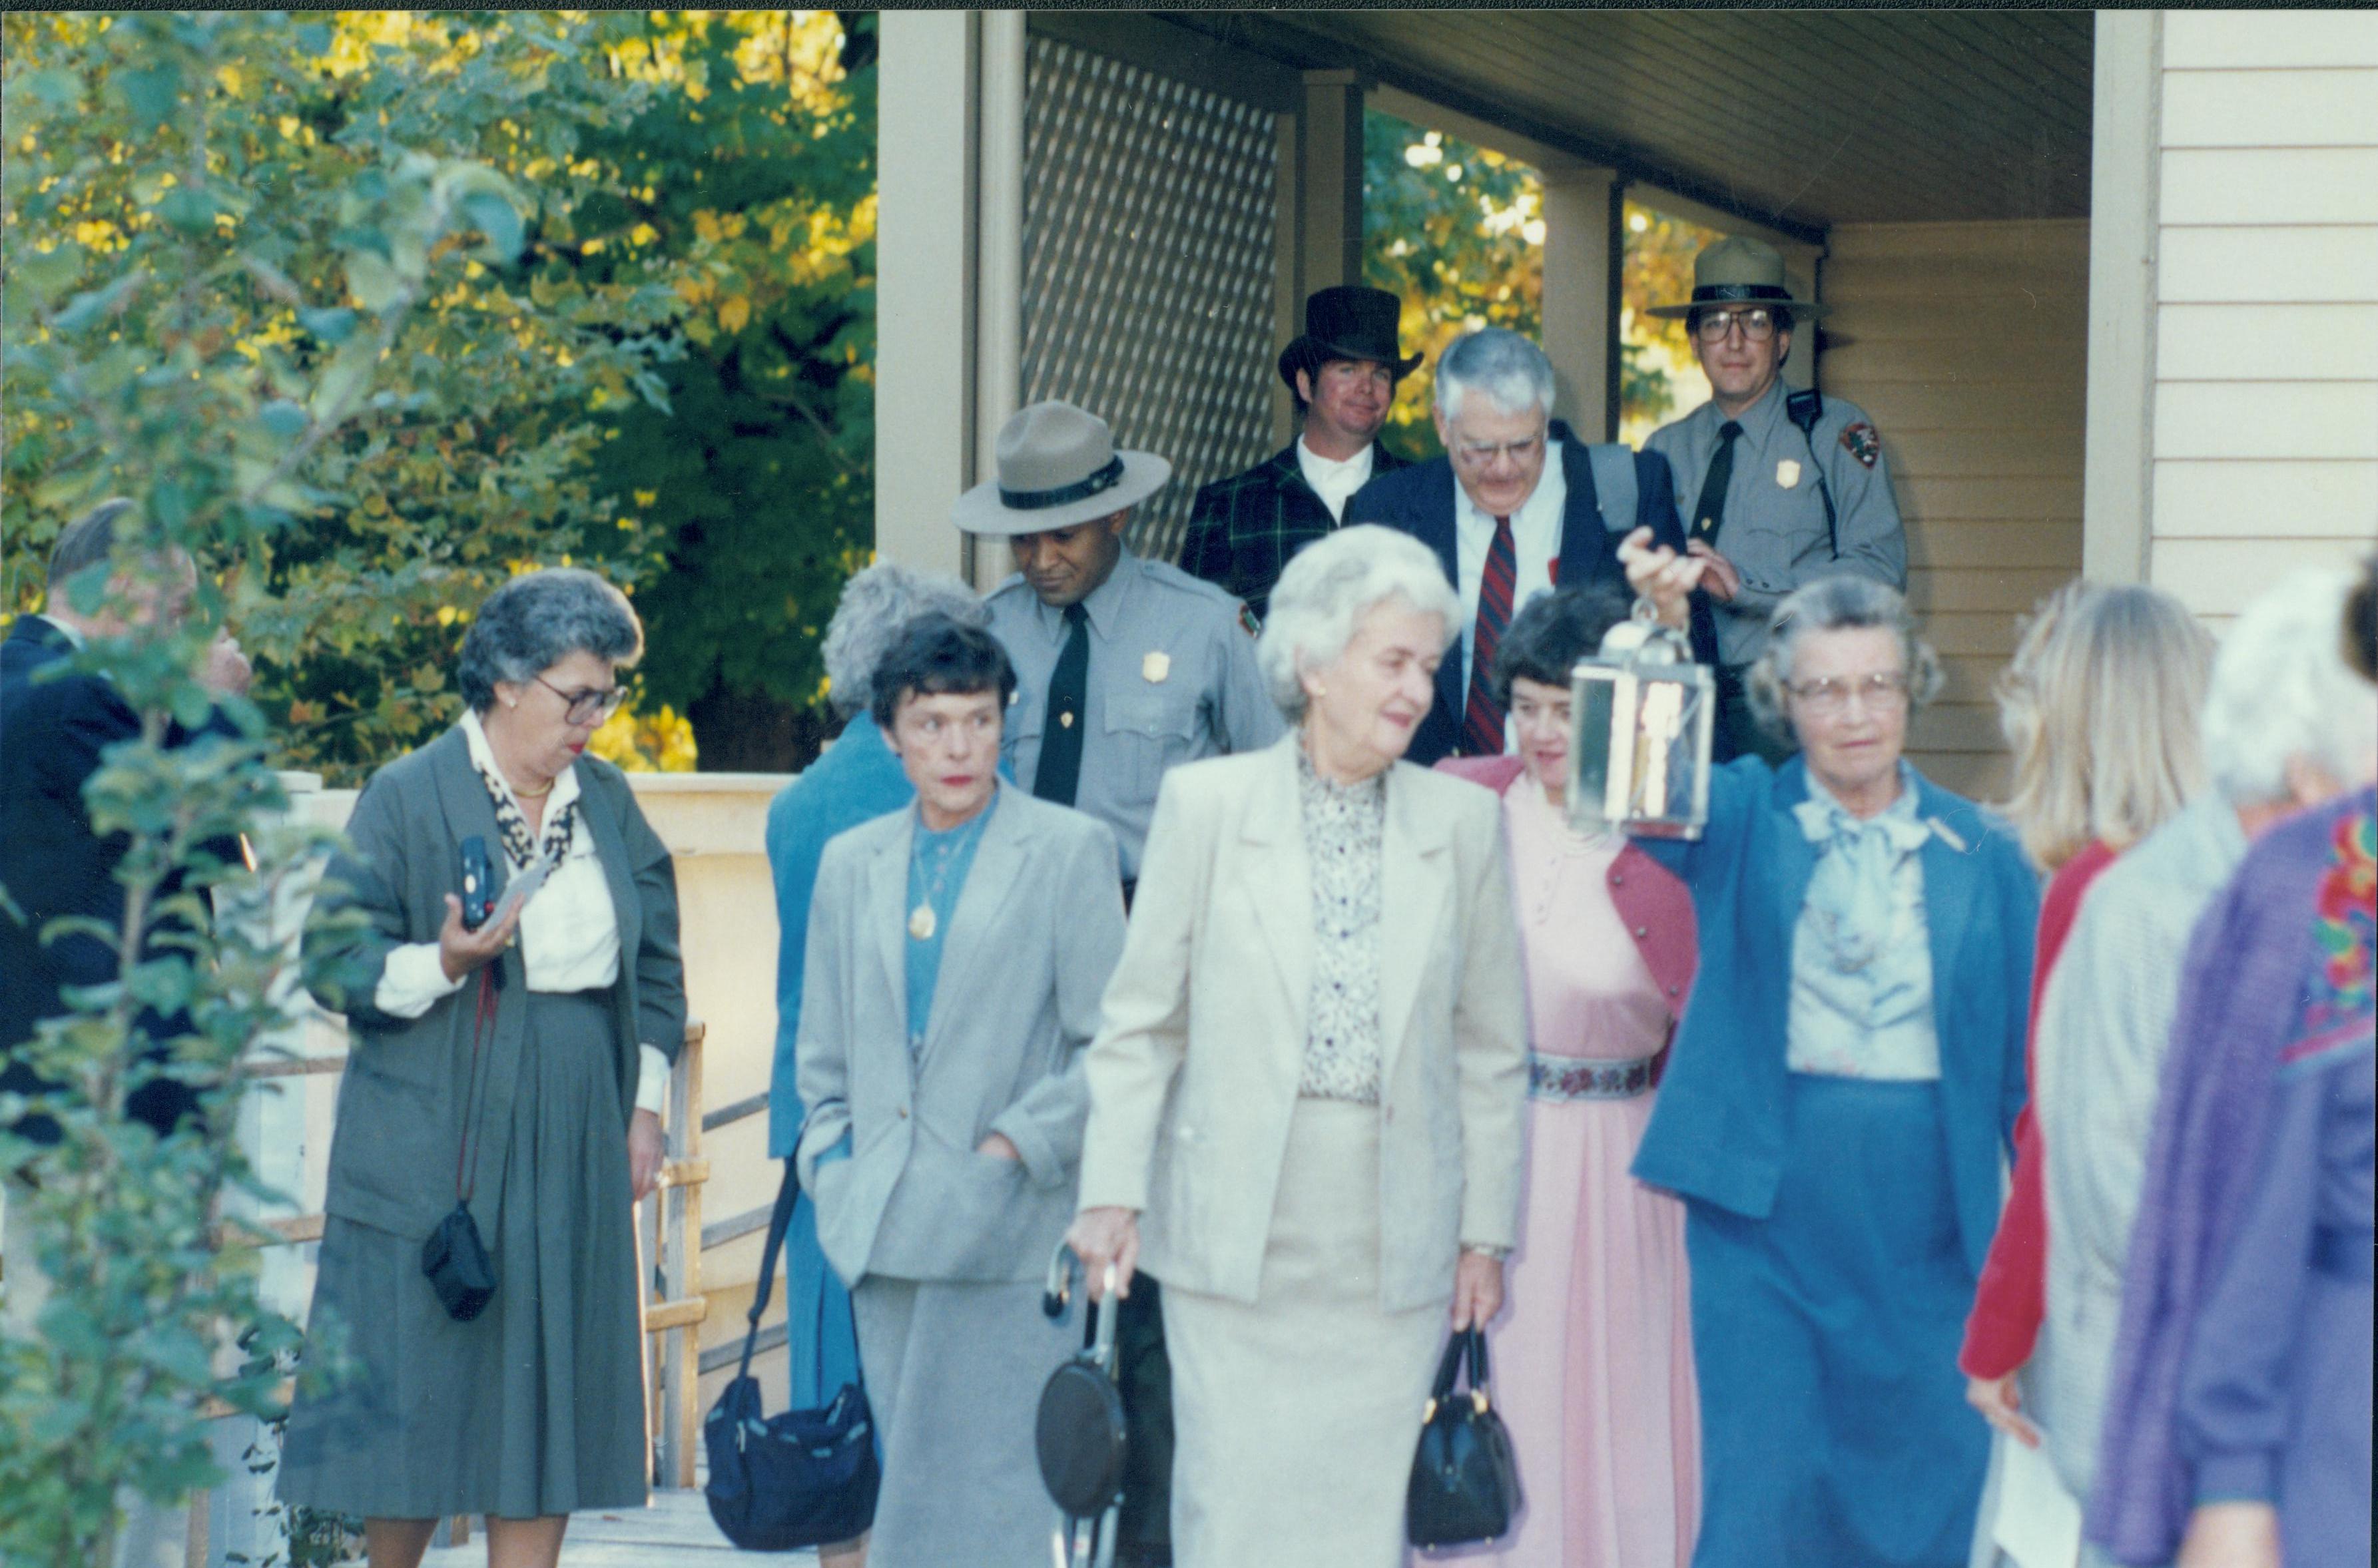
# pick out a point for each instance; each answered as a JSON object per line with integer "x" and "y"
{"x": 805, "y": 1478}
{"x": 1465, "y": 1483}
{"x": 1080, "y": 1435}
{"x": 454, "y": 1258}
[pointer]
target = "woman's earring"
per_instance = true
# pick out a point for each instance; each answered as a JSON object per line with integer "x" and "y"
{"x": 511, "y": 701}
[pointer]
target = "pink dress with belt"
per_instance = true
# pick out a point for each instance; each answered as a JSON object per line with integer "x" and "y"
{"x": 1591, "y": 1358}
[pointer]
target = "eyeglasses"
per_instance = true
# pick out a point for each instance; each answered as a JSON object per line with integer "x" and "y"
{"x": 1883, "y": 692}
{"x": 1478, "y": 454}
{"x": 588, "y": 707}
{"x": 1758, "y": 326}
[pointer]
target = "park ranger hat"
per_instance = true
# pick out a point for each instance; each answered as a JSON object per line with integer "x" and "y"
{"x": 1348, "y": 322}
{"x": 1057, "y": 468}
{"x": 1739, "y": 271}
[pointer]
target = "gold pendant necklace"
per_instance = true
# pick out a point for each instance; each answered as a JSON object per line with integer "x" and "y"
{"x": 921, "y": 922}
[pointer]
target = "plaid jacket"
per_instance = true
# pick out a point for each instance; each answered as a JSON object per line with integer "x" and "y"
{"x": 1245, "y": 528}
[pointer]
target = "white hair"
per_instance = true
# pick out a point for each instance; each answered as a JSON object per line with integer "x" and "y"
{"x": 876, "y": 603}
{"x": 2282, "y": 690}
{"x": 1839, "y": 603}
{"x": 1330, "y": 586}
{"x": 1512, "y": 372}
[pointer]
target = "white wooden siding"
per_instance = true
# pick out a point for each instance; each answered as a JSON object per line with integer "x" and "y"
{"x": 1968, "y": 344}
{"x": 2265, "y": 412}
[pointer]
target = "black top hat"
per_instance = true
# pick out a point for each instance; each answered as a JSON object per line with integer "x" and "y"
{"x": 1347, "y": 322}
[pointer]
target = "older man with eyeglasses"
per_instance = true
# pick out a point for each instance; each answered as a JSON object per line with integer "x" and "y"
{"x": 1517, "y": 506}
{"x": 1776, "y": 488}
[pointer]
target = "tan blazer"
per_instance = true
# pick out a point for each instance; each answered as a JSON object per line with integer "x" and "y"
{"x": 1201, "y": 1039}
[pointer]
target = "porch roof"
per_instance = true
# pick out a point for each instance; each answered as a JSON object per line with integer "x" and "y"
{"x": 1795, "y": 119}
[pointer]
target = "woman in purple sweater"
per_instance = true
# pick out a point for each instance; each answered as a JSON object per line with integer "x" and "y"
{"x": 2239, "y": 1417}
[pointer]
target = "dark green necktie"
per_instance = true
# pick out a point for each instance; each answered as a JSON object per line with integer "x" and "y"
{"x": 1710, "y": 513}
{"x": 1061, "y": 736}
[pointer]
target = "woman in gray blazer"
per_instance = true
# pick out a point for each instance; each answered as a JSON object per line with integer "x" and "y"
{"x": 957, "y": 952}
{"x": 520, "y": 1065}
{"x": 1308, "y": 1087}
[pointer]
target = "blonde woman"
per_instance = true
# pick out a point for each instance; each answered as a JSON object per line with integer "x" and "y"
{"x": 2100, "y": 707}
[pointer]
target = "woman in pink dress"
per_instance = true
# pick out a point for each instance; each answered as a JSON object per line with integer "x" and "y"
{"x": 1593, "y": 1355}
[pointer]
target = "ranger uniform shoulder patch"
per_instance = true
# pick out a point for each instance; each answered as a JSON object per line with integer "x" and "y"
{"x": 1863, "y": 442}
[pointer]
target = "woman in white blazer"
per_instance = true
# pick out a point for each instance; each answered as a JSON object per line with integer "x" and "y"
{"x": 956, "y": 950}
{"x": 1307, "y": 1090}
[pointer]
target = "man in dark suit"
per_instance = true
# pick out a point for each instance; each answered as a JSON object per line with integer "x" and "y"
{"x": 1517, "y": 505}
{"x": 1342, "y": 372}
{"x": 54, "y": 730}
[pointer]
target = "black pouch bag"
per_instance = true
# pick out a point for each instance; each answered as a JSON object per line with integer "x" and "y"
{"x": 1465, "y": 1483}
{"x": 454, "y": 1259}
{"x": 805, "y": 1478}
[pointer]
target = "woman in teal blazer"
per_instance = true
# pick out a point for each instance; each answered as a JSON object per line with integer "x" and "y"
{"x": 1842, "y": 1091}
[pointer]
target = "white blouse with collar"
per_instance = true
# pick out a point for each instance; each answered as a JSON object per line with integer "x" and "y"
{"x": 568, "y": 932}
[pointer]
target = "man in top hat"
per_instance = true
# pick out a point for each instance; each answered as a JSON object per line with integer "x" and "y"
{"x": 1776, "y": 488}
{"x": 1342, "y": 372}
{"x": 1124, "y": 667}
{"x": 1517, "y": 505}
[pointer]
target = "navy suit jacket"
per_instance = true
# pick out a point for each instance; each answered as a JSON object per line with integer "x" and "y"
{"x": 53, "y": 733}
{"x": 1418, "y": 500}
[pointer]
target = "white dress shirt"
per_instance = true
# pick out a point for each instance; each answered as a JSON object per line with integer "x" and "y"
{"x": 1535, "y": 542}
{"x": 568, "y": 932}
{"x": 1335, "y": 480}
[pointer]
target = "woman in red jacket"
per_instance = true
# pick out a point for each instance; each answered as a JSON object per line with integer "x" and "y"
{"x": 2100, "y": 707}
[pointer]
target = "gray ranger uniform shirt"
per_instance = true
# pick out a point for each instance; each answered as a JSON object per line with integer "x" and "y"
{"x": 1173, "y": 678}
{"x": 1774, "y": 530}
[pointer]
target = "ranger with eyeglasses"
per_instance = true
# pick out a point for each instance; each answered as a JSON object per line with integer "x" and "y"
{"x": 1776, "y": 488}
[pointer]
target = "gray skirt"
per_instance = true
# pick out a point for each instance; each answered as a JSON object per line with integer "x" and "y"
{"x": 536, "y": 1407}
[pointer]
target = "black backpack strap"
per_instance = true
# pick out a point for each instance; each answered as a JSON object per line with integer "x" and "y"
{"x": 1804, "y": 409}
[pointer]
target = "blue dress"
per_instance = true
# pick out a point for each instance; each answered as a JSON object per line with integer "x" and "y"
{"x": 856, "y": 780}
{"x": 1840, "y": 1190}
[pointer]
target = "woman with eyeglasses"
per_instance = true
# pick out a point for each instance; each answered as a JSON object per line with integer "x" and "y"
{"x": 514, "y": 1065}
{"x": 1842, "y": 1091}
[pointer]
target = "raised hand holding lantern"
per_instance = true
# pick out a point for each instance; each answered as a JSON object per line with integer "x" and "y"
{"x": 1641, "y": 718}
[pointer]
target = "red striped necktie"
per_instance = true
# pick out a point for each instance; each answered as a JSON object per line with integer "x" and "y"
{"x": 1482, "y": 721}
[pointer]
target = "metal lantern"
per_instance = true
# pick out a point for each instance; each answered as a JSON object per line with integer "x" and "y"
{"x": 1642, "y": 717}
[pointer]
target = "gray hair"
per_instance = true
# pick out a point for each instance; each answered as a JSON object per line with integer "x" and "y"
{"x": 86, "y": 541}
{"x": 1328, "y": 588}
{"x": 1837, "y": 603}
{"x": 1512, "y": 372}
{"x": 876, "y": 603}
{"x": 2282, "y": 690}
{"x": 538, "y": 619}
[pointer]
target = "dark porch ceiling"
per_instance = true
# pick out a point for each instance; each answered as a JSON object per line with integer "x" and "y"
{"x": 1798, "y": 119}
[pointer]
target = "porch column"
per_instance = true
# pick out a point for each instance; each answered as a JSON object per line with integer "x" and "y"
{"x": 1329, "y": 182}
{"x": 928, "y": 181}
{"x": 1581, "y": 305}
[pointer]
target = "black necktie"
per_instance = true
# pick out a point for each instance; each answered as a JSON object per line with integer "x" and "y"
{"x": 1060, "y": 738}
{"x": 1710, "y": 513}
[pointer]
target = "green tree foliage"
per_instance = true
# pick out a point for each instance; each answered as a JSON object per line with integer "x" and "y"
{"x": 1457, "y": 232}
{"x": 668, "y": 377}
{"x": 757, "y": 494}
{"x": 229, "y": 332}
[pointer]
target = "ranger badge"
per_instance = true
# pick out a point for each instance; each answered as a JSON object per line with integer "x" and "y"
{"x": 1864, "y": 444}
{"x": 1787, "y": 474}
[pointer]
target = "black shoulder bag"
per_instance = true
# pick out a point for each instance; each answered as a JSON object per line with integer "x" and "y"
{"x": 454, "y": 1258}
{"x": 1465, "y": 1483}
{"x": 1804, "y": 409}
{"x": 805, "y": 1478}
